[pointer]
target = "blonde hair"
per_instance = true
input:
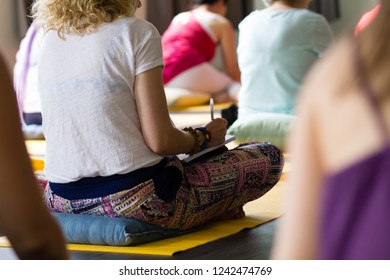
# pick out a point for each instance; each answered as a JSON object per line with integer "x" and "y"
{"x": 79, "y": 16}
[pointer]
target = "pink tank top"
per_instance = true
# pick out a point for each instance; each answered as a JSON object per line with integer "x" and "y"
{"x": 185, "y": 45}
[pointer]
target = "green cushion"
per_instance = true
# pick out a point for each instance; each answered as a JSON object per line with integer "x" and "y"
{"x": 263, "y": 127}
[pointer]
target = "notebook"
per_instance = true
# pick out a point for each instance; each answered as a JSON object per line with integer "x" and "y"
{"x": 188, "y": 158}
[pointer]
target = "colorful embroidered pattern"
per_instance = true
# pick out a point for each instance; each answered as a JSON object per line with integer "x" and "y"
{"x": 210, "y": 187}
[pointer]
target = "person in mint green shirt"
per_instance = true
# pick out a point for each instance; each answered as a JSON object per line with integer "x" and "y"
{"x": 276, "y": 48}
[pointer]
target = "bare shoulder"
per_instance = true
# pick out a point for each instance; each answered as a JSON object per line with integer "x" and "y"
{"x": 223, "y": 22}
{"x": 217, "y": 23}
{"x": 332, "y": 74}
{"x": 223, "y": 28}
{"x": 181, "y": 17}
{"x": 333, "y": 98}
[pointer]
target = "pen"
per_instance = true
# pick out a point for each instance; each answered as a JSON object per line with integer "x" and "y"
{"x": 212, "y": 108}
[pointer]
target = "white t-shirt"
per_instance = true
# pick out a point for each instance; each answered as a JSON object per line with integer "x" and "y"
{"x": 86, "y": 84}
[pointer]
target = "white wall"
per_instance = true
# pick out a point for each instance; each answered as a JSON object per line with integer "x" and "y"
{"x": 351, "y": 11}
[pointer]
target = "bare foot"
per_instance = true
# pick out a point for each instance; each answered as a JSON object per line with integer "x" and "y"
{"x": 235, "y": 213}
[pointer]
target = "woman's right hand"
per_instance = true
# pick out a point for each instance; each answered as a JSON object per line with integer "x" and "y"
{"x": 217, "y": 129}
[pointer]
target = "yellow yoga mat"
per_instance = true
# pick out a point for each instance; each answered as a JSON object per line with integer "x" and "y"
{"x": 200, "y": 108}
{"x": 258, "y": 212}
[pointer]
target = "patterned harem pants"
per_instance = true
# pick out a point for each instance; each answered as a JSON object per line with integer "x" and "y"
{"x": 210, "y": 187}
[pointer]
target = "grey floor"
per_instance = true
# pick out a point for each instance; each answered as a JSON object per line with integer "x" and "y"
{"x": 249, "y": 244}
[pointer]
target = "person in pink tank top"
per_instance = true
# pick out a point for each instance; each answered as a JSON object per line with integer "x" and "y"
{"x": 189, "y": 45}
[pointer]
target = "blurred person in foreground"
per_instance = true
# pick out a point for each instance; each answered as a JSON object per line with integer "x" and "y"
{"x": 24, "y": 219}
{"x": 338, "y": 195}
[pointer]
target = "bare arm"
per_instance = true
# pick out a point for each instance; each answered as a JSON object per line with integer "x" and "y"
{"x": 297, "y": 232}
{"x": 159, "y": 133}
{"x": 24, "y": 219}
{"x": 227, "y": 38}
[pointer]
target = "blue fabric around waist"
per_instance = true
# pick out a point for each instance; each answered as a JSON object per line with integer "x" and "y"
{"x": 167, "y": 181}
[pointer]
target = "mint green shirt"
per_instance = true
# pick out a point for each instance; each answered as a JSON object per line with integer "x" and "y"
{"x": 275, "y": 51}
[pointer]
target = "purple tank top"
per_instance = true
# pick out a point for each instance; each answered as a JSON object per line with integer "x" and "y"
{"x": 356, "y": 201}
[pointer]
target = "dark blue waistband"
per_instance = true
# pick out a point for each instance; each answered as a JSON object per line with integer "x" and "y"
{"x": 101, "y": 186}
